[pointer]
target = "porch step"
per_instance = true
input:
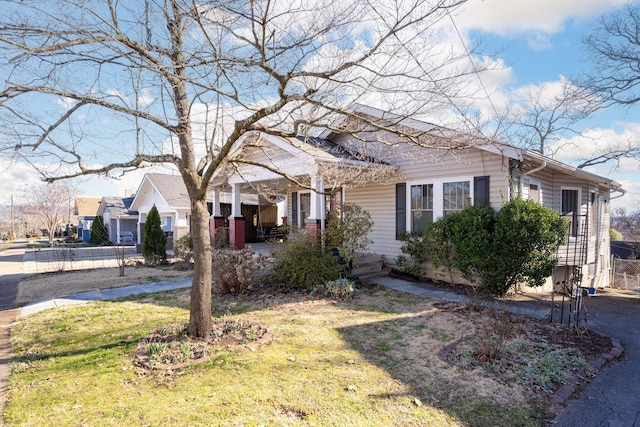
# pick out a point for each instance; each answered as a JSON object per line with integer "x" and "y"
{"x": 367, "y": 265}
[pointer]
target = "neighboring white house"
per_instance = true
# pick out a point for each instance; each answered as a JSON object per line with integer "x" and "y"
{"x": 406, "y": 186}
{"x": 119, "y": 219}
{"x": 169, "y": 195}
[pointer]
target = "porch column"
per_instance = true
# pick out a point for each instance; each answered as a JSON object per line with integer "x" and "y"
{"x": 236, "y": 221}
{"x": 216, "y": 221}
{"x": 314, "y": 222}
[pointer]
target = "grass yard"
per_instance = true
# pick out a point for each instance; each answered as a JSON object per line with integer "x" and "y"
{"x": 383, "y": 358}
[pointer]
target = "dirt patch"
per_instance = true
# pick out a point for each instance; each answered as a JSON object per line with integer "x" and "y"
{"x": 167, "y": 350}
{"x": 51, "y": 285}
{"x": 528, "y": 344}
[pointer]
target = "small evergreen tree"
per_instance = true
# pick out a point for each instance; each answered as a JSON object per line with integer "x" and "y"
{"x": 154, "y": 245}
{"x": 99, "y": 234}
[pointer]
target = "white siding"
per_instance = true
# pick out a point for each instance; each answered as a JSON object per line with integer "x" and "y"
{"x": 379, "y": 199}
{"x": 596, "y": 268}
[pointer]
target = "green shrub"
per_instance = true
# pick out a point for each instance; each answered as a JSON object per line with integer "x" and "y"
{"x": 154, "y": 245}
{"x": 302, "y": 263}
{"x": 496, "y": 251}
{"x": 183, "y": 248}
{"x": 238, "y": 271}
{"x": 462, "y": 241}
{"x": 415, "y": 246}
{"x": 348, "y": 232}
{"x": 527, "y": 236}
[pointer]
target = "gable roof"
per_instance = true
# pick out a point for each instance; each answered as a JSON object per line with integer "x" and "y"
{"x": 171, "y": 188}
{"x": 87, "y": 206}
{"x": 116, "y": 207}
{"x": 392, "y": 120}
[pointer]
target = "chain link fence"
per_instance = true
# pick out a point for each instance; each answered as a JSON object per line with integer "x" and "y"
{"x": 68, "y": 259}
{"x": 625, "y": 274}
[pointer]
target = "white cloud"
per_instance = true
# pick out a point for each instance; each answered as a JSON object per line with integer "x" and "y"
{"x": 519, "y": 16}
{"x": 597, "y": 140}
{"x": 594, "y": 141}
{"x": 65, "y": 102}
{"x": 17, "y": 180}
{"x": 145, "y": 98}
{"x": 539, "y": 41}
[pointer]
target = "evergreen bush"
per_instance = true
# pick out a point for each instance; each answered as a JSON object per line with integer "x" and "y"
{"x": 154, "y": 245}
{"x": 99, "y": 234}
{"x": 496, "y": 251}
{"x": 302, "y": 263}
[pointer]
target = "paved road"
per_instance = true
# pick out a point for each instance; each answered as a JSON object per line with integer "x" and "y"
{"x": 612, "y": 399}
{"x": 10, "y": 275}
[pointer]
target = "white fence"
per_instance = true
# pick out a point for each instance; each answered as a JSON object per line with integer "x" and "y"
{"x": 625, "y": 274}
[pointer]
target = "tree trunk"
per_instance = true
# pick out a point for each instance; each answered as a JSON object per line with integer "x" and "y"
{"x": 200, "y": 313}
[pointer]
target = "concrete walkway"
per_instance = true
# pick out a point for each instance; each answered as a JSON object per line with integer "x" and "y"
{"x": 105, "y": 294}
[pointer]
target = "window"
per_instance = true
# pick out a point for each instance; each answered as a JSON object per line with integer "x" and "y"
{"x": 571, "y": 209}
{"x": 457, "y": 196}
{"x": 531, "y": 189}
{"x": 426, "y": 202}
{"x": 421, "y": 206}
{"x": 534, "y": 192}
{"x": 304, "y": 209}
{"x": 333, "y": 205}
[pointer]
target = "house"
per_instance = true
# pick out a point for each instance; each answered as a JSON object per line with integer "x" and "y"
{"x": 169, "y": 195}
{"x": 119, "y": 219}
{"x": 86, "y": 209}
{"x": 405, "y": 186}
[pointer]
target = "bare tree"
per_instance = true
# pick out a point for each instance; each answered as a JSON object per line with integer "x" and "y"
{"x": 107, "y": 87}
{"x": 49, "y": 204}
{"x": 543, "y": 115}
{"x": 614, "y": 53}
{"x": 627, "y": 223}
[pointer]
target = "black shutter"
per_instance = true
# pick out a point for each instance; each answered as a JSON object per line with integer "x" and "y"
{"x": 294, "y": 209}
{"x": 481, "y": 190}
{"x": 401, "y": 209}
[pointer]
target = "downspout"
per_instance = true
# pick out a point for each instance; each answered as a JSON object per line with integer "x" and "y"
{"x": 544, "y": 165}
{"x": 598, "y": 246}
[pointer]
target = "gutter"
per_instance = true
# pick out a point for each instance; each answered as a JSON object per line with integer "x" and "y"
{"x": 621, "y": 191}
{"x": 544, "y": 165}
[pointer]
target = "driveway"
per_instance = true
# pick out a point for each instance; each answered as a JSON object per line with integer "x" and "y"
{"x": 10, "y": 275}
{"x": 612, "y": 399}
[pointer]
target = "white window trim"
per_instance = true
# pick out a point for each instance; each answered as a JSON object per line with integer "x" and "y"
{"x": 302, "y": 221}
{"x": 579, "y": 213}
{"x": 438, "y": 195}
{"x": 527, "y": 183}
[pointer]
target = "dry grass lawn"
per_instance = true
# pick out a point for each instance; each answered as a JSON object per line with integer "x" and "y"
{"x": 50, "y": 285}
{"x": 382, "y": 358}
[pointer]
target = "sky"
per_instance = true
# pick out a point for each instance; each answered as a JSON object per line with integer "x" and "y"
{"x": 537, "y": 44}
